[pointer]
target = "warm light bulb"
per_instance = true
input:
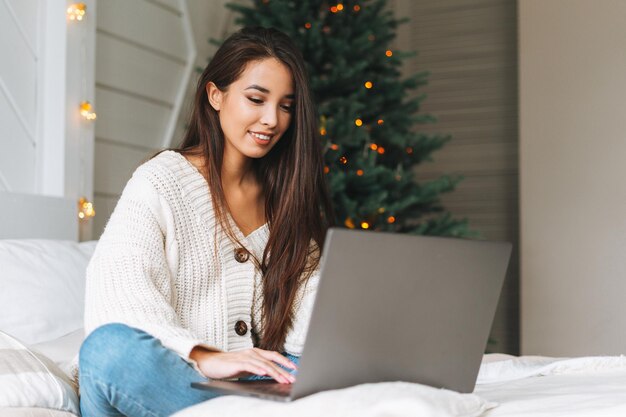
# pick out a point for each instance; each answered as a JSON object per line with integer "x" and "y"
{"x": 358, "y": 122}
{"x": 388, "y": 52}
{"x": 391, "y": 219}
{"x": 359, "y": 172}
{"x": 334, "y": 146}
{"x": 356, "y": 8}
{"x": 85, "y": 208}
{"x": 369, "y": 85}
{"x": 326, "y": 170}
{"x": 381, "y": 121}
{"x": 76, "y": 11}
{"x": 373, "y": 146}
{"x": 340, "y": 7}
{"x": 343, "y": 160}
{"x": 87, "y": 111}
{"x": 307, "y": 25}
{"x": 380, "y": 150}
{"x": 365, "y": 225}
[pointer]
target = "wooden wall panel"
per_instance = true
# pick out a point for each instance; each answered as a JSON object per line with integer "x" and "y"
{"x": 144, "y": 57}
{"x": 18, "y": 68}
{"x": 26, "y": 12}
{"x": 126, "y": 67}
{"x": 17, "y": 158}
{"x": 111, "y": 177}
{"x": 144, "y": 24}
{"x": 130, "y": 120}
{"x": 470, "y": 49}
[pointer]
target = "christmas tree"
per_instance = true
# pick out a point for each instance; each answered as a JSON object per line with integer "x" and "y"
{"x": 369, "y": 120}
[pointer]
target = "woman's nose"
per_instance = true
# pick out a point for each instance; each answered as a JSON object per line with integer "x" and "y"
{"x": 270, "y": 117}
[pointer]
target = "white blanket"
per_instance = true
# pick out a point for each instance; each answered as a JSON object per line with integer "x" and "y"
{"x": 389, "y": 399}
{"x": 537, "y": 387}
{"x": 514, "y": 387}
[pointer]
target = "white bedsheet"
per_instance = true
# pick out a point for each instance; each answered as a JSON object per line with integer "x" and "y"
{"x": 535, "y": 386}
{"x": 512, "y": 387}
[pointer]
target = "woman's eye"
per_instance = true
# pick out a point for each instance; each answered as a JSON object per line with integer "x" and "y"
{"x": 287, "y": 108}
{"x": 255, "y": 100}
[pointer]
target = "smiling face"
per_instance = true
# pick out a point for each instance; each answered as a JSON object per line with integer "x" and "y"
{"x": 256, "y": 109}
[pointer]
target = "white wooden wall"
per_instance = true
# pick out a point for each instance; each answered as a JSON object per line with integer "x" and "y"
{"x": 470, "y": 49}
{"x": 46, "y": 70}
{"x": 22, "y": 36}
{"x": 145, "y": 53}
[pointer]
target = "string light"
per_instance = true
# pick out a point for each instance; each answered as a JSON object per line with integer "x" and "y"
{"x": 381, "y": 210}
{"x": 322, "y": 131}
{"x": 356, "y": 8}
{"x": 388, "y": 52}
{"x": 87, "y": 111}
{"x": 334, "y": 146}
{"x": 76, "y": 11}
{"x": 380, "y": 150}
{"x": 359, "y": 172}
{"x": 365, "y": 225}
{"x": 349, "y": 223}
{"x": 334, "y": 9}
{"x": 368, "y": 84}
{"x": 343, "y": 160}
{"x": 391, "y": 219}
{"x": 326, "y": 29}
{"x": 409, "y": 150}
{"x": 326, "y": 170}
{"x": 85, "y": 209}
{"x": 381, "y": 121}
{"x": 340, "y": 7}
{"x": 358, "y": 122}
{"x": 373, "y": 146}
{"x": 307, "y": 25}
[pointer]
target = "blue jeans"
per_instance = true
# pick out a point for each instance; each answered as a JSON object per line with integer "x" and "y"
{"x": 127, "y": 372}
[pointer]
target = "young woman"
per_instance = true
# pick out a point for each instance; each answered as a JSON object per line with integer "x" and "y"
{"x": 208, "y": 265}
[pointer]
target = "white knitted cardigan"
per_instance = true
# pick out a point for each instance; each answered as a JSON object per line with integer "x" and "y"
{"x": 161, "y": 266}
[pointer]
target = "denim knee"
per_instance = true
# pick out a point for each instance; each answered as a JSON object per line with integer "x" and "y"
{"x": 107, "y": 348}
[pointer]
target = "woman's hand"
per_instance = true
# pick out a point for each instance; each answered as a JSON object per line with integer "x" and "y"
{"x": 219, "y": 365}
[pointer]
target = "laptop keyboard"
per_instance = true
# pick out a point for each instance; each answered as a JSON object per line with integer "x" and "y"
{"x": 272, "y": 388}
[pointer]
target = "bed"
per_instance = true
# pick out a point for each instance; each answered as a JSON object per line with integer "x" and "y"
{"x": 41, "y": 304}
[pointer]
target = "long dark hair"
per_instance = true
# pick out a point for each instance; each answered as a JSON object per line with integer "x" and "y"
{"x": 297, "y": 203}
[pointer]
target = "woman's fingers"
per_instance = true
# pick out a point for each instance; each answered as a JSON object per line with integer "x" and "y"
{"x": 276, "y": 357}
{"x": 264, "y": 367}
{"x": 256, "y": 361}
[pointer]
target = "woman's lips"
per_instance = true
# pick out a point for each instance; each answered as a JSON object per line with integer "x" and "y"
{"x": 258, "y": 140}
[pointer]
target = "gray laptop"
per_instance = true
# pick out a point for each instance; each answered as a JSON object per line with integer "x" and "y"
{"x": 394, "y": 307}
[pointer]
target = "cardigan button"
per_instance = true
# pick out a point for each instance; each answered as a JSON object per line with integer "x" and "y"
{"x": 241, "y": 255}
{"x": 241, "y": 328}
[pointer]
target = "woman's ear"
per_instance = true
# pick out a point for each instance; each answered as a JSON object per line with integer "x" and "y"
{"x": 214, "y": 95}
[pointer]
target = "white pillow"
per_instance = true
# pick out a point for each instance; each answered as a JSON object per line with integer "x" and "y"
{"x": 42, "y": 286}
{"x": 29, "y": 379}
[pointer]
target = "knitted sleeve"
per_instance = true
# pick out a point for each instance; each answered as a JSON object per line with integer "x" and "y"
{"x": 129, "y": 278}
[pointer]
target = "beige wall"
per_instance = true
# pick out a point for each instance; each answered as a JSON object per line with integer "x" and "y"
{"x": 572, "y": 165}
